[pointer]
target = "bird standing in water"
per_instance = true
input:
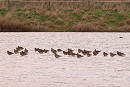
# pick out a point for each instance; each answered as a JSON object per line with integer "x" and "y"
{"x": 59, "y": 50}
{"x": 79, "y": 50}
{"x": 65, "y": 53}
{"x": 53, "y": 50}
{"x": 120, "y": 53}
{"x": 46, "y": 50}
{"x": 88, "y": 54}
{"x": 95, "y": 52}
{"x": 36, "y": 49}
{"x": 16, "y": 51}
{"x": 85, "y": 52}
{"x": 19, "y": 48}
{"x": 105, "y": 54}
{"x": 40, "y": 51}
{"x": 112, "y": 54}
{"x": 57, "y": 56}
{"x": 9, "y": 53}
{"x": 73, "y": 54}
{"x": 79, "y": 56}
{"x": 23, "y": 53}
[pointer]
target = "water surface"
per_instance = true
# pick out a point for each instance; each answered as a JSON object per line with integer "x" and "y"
{"x": 44, "y": 70}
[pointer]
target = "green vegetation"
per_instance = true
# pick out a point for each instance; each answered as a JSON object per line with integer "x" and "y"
{"x": 3, "y": 12}
{"x": 68, "y": 19}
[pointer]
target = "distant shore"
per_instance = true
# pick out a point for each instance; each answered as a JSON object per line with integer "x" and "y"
{"x": 30, "y": 19}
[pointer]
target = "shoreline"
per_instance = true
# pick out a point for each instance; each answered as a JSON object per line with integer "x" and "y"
{"x": 100, "y": 17}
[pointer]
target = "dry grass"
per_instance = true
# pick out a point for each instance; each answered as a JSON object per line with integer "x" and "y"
{"x": 12, "y": 26}
{"x": 94, "y": 28}
{"x": 124, "y": 28}
{"x": 121, "y": 29}
{"x": 54, "y": 14}
{"x": 128, "y": 21}
{"x": 71, "y": 5}
{"x": 33, "y": 18}
{"x": 7, "y": 24}
{"x": 84, "y": 28}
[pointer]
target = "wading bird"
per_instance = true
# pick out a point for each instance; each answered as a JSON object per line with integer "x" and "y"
{"x": 95, "y": 52}
{"x": 120, "y": 53}
{"x": 112, "y": 54}
{"x": 105, "y": 54}
{"x": 9, "y": 53}
{"x": 79, "y": 56}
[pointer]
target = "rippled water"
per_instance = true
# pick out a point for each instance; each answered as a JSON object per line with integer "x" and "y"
{"x": 44, "y": 70}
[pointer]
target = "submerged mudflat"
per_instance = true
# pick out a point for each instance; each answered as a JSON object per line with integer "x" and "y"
{"x": 44, "y": 70}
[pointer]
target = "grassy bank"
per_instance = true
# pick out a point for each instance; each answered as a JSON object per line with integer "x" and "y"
{"x": 64, "y": 20}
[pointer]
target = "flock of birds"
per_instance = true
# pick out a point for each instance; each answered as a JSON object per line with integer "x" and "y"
{"x": 70, "y": 52}
{"x": 17, "y": 50}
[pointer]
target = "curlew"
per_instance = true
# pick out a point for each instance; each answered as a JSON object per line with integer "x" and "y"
{"x": 85, "y": 52}
{"x": 112, "y": 54}
{"x": 120, "y": 53}
{"x": 9, "y": 53}
{"x": 36, "y": 49}
{"x": 56, "y": 55}
{"x": 23, "y": 53}
{"x": 95, "y": 52}
{"x": 15, "y": 51}
{"x": 40, "y": 51}
{"x": 70, "y": 50}
{"x": 105, "y": 54}
{"x": 59, "y": 50}
{"x": 65, "y": 53}
{"x": 88, "y": 54}
{"x": 19, "y": 48}
{"x": 46, "y": 50}
{"x": 79, "y": 56}
{"x": 53, "y": 50}
{"x": 79, "y": 50}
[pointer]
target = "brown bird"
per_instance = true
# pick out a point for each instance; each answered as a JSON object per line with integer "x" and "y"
{"x": 16, "y": 51}
{"x": 72, "y": 54}
{"x": 59, "y": 50}
{"x": 89, "y": 54}
{"x": 79, "y": 50}
{"x": 53, "y": 51}
{"x": 85, "y": 52}
{"x": 46, "y": 50}
{"x": 9, "y": 53}
{"x": 19, "y": 48}
{"x": 23, "y": 53}
{"x": 95, "y": 52}
{"x": 36, "y": 49}
{"x": 40, "y": 51}
{"x": 105, "y": 54}
{"x": 26, "y": 51}
{"x": 79, "y": 56}
{"x": 112, "y": 54}
{"x": 70, "y": 50}
{"x": 65, "y": 53}
{"x": 120, "y": 53}
{"x": 56, "y": 55}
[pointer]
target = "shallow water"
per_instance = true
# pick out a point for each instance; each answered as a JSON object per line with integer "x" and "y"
{"x": 44, "y": 70}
